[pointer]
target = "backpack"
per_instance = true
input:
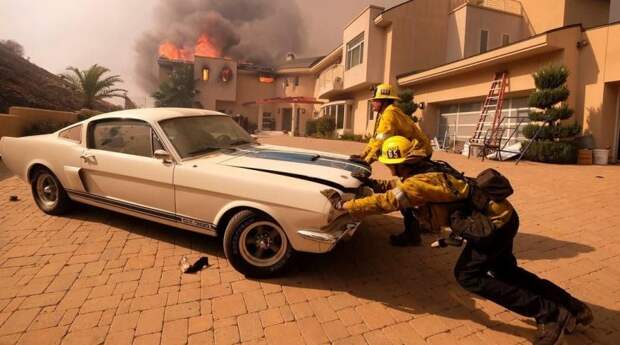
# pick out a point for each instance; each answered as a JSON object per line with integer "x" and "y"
{"x": 495, "y": 185}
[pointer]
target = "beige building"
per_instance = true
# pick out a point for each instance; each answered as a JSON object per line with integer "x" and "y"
{"x": 447, "y": 52}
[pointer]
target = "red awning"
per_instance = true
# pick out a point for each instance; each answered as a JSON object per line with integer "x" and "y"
{"x": 290, "y": 100}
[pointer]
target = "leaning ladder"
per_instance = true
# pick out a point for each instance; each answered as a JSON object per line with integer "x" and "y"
{"x": 494, "y": 103}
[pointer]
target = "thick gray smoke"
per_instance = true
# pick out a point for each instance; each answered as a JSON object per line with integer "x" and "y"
{"x": 258, "y": 31}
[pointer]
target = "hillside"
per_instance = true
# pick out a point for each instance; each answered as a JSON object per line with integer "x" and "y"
{"x": 25, "y": 84}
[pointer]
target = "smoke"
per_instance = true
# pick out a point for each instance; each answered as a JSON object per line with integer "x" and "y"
{"x": 259, "y": 31}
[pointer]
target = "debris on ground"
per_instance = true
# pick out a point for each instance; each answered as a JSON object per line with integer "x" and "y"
{"x": 600, "y": 176}
{"x": 13, "y": 198}
{"x": 196, "y": 267}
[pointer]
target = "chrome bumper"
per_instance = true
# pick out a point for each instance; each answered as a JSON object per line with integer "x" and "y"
{"x": 327, "y": 240}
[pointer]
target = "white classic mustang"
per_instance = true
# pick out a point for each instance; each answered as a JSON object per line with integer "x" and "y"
{"x": 196, "y": 170}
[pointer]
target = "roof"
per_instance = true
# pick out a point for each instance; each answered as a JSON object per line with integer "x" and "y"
{"x": 300, "y": 62}
{"x": 156, "y": 114}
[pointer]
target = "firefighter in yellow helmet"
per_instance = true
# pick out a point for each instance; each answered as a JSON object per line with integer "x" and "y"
{"x": 391, "y": 121}
{"x": 487, "y": 266}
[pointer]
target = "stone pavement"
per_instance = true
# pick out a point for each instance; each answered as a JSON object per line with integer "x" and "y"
{"x": 97, "y": 277}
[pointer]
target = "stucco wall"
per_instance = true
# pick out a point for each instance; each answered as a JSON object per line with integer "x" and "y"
{"x": 543, "y": 15}
{"x": 495, "y": 22}
{"x": 588, "y": 13}
{"x": 455, "y": 40}
{"x": 19, "y": 118}
{"x": 599, "y": 76}
{"x": 614, "y": 11}
{"x": 370, "y": 71}
{"x": 249, "y": 89}
{"x": 214, "y": 89}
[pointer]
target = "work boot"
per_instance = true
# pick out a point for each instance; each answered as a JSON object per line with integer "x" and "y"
{"x": 582, "y": 313}
{"x": 551, "y": 333}
{"x": 406, "y": 239}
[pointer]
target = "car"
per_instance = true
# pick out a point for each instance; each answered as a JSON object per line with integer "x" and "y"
{"x": 196, "y": 170}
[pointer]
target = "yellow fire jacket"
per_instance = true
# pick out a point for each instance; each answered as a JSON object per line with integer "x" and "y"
{"x": 394, "y": 122}
{"x": 434, "y": 195}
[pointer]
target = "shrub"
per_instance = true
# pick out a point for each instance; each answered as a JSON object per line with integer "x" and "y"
{"x": 406, "y": 103}
{"x": 354, "y": 137}
{"x": 310, "y": 127}
{"x": 561, "y": 152}
{"x": 547, "y": 98}
{"x": 326, "y": 126}
{"x": 550, "y": 77}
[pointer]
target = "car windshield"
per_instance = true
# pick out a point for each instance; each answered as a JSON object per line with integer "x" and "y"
{"x": 197, "y": 135}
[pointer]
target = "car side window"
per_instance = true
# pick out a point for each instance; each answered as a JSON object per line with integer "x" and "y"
{"x": 131, "y": 137}
{"x": 74, "y": 134}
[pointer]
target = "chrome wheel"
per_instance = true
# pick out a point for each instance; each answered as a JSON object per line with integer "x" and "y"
{"x": 47, "y": 190}
{"x": 263, "y": 244}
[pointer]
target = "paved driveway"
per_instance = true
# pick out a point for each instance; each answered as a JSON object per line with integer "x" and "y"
{"x": 96, "y": 276}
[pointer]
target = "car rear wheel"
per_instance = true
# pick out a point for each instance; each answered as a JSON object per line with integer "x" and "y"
{"x": 49, "y": 194}
{"x": 257, "y": 246}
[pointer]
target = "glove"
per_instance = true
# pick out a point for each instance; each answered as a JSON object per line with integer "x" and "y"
{"x": 362, "y": 175}
{"x": 449, "y": 239}
{"x": 358, "y": 159}
{"x": 334, "y": 198}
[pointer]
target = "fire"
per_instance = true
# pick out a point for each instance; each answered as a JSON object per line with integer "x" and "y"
{"x": 204, "y": 47}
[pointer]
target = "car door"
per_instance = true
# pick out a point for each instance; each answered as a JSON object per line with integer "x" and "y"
{"x": 118, "y": 166}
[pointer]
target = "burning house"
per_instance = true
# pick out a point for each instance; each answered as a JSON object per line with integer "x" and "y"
{"x": 278, "y": 97}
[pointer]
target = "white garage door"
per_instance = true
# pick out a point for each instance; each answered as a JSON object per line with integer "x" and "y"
{"x": 457, "y": 122}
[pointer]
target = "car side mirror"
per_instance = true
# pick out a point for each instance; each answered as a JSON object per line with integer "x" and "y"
{"x": 163, "y": 155}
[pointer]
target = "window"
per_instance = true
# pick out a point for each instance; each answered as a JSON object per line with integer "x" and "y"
{"x": 355, "y": 51}
{"x": 340, "y": 116}
{"x": 132, "y": 137}
{"x": 74, "y": 134}
{"x": 205, "y": 73}
{"x": 505, "y": 39}
{"x": 484, "y": 41}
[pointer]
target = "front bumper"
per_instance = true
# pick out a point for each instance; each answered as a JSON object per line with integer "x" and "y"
{"x": 326, "y": 238}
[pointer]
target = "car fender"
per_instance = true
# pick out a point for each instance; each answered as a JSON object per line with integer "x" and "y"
{"x": 297, "y": 242}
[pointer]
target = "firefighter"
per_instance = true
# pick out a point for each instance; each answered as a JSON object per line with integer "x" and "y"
{"x": 487, "y": 266}
{"x": 391, "y": 121}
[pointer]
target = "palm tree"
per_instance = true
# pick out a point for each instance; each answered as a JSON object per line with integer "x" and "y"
{"x": 93, "y": 85}
{"x": 178, "y": 90}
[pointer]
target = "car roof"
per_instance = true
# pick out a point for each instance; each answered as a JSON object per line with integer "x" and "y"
{"x": 156, "y": 114}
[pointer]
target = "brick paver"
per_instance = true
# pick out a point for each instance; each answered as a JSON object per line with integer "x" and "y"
{"x": 94, "y": 276}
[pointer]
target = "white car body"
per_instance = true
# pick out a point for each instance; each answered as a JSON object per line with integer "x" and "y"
{"x": 198, "y": 194}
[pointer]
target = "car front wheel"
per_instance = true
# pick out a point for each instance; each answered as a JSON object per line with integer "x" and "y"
{"x": 49, "y": 194}
{"x": 257, "y": 246}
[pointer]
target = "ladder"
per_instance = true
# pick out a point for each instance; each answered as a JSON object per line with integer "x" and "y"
{"x": 493, "y": 104}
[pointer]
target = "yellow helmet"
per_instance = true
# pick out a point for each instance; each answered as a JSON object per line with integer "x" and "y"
{"x": 385, "y": 91}
{"x": 394, "y": 150}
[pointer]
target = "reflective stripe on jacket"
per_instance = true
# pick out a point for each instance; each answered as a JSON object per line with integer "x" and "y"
{"x": 435, "y": 195}
{"x": 394, "y": 122}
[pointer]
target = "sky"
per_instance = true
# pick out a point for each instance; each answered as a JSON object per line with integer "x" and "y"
{"x": 60, "y": 33}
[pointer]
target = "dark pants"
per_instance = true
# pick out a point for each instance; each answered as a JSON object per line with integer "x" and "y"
{"x": 412, "y": 226}
{"x": 490, "y": 270}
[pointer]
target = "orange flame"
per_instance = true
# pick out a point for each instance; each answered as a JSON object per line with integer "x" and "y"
{"x": 204, "y": 47}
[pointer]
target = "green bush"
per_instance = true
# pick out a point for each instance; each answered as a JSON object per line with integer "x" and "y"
{"x": 325, "y": 126}
{"x": 310, "y": 127}
{"x": 529, "y": 131}
{"x": 560, "y": 152}
{"x": 562, "y": 112}
{"x": 547, "y": 98}
{"x": 550, "y": 77}
{"x": 406, "y": 103}
{"x": 569, "y": 131}
{"x": 45, "y": 127}
{"x": 354, "y": 137}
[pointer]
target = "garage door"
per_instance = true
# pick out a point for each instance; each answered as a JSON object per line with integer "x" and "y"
{"x": 457, "y": 122}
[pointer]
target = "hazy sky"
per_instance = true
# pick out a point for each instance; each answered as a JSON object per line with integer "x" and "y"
{"x": 60, "y": 33}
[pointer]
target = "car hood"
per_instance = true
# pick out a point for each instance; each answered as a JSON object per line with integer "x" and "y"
{"x": 321, "y": 167}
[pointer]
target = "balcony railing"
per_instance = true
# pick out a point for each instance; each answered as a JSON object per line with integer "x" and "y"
{"x": 332, "y": 79}
{"x": 510, "y": 6}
